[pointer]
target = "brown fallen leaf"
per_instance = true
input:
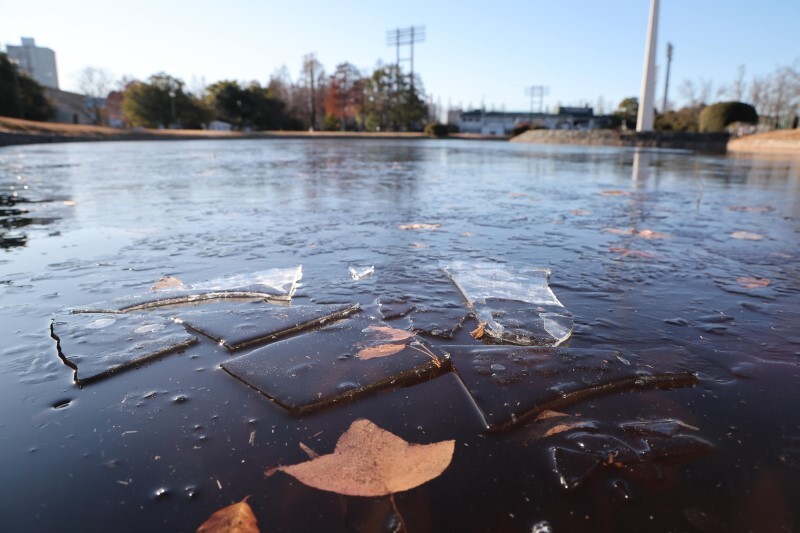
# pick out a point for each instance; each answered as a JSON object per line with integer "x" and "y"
{"x": 620, "y": 231}
{"x": 390, "y": 334}
{"x": 419, "y": 225}
{"x": 478, "y": 332}
{"x": 746, "y": 236}
{"x": 752, "y": 283}
{"x": 380, "y": 350}
{"x": 614, "y": 193}
{"x": 650, "y": 234}
{"x": 370, "y": 461}
{"x": 236, "y": 518}
{"x": 547, "y": 413}
{"x": 167, "y": 282}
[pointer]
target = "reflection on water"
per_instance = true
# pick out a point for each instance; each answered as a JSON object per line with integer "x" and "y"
{"x": 671, "y": 263}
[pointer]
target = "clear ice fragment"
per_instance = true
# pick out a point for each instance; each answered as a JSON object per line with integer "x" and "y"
{"x": 277, "y": 284}
{"x": 514, "y": 305}
{"x": 241, "y": 325}
{"x": 97, "y": 346}
{"x": 360, "y": 272}
{"x": 338, "y": 362}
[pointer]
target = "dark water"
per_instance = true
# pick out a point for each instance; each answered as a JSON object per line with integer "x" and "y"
{"x": 644, "y": 252}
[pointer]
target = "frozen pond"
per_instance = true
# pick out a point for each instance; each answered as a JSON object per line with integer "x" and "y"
{"x": 672, "y": 405}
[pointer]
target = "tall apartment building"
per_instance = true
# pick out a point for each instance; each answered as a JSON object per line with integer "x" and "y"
{"x": 39, "y": 63}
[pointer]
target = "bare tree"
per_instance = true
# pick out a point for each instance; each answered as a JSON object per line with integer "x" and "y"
{"x": 95, "y": 83}
{"x": 739, "y": 86}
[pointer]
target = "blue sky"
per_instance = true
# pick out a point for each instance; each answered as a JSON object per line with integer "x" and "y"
{"x": 474, "y": 51}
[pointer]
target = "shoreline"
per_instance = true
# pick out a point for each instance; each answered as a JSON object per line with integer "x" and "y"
{"x": 17, "y": 132}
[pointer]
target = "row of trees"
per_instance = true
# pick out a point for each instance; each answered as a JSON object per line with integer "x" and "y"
{"x": 385, "y": 100}
{"x": 20, "y": 95}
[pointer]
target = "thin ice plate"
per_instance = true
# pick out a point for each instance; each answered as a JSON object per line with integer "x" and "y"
{"x": 100, "y": 345}
{"x": 278, "y": 284}
{"x": 513, "y": 305}
{"x": 243, "y": 325}
{"x": 512, "y": 383}
{"x": 336, "y": 363}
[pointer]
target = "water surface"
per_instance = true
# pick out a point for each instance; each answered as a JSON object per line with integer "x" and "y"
{"x": 663, "y": 258}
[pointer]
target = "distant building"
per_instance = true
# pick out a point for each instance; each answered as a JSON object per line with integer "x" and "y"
{"x": 71, "y": 108}
{"x": 39, "y": 63}
{"x": 502, "y": 123}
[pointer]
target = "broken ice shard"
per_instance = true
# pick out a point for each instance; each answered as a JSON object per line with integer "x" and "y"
{"x": 514, "y": 305}
{"x": 340, "y": 361}
{"x": 278, "y": 284}
{"x": 99, "y": 345}
{"x": 512, "y": 383}
{"x": 240, "y": 325}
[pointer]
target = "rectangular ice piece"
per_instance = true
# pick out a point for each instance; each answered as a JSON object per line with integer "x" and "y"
{"x": 512, "y": 383}
{"x": 242, "y": 325}
{"x": 513, "y": 305}
{"x": 340, "y": 361}
{"x": 99, "y": 345}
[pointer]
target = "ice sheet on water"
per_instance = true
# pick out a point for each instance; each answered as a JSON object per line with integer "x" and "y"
{"x": 514, "y": 305}
{"x": 512, "y": 383}
{"x": 338, "y": 362}
{"x": 99, "y": 345}
{"x": 236, "y": 326}
{"x": 278, "y": 284}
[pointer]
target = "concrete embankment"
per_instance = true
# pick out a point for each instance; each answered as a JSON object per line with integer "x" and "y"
{"x": 703, "y": 142}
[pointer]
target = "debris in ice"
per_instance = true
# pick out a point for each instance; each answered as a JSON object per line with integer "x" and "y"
{"x": 338, "y": 362}
{"x": 361, "y": 273}
{"x": 512, "y": 305}
{"x": 97, "y": 346}
{"x": 277, "y": 284}
{"x": 240, "y": 325}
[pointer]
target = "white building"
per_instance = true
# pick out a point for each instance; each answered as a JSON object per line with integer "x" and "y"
{"x": 39, "y": 63}
{"x": 501, "y": 123}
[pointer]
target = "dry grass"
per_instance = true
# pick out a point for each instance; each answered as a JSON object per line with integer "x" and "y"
{"x": 14, "y": 125}
{"x": 778, "y": 142}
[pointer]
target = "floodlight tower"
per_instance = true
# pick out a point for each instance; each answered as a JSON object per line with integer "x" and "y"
{"x": 644, "y": 121}
{"x": 406, "y": 36}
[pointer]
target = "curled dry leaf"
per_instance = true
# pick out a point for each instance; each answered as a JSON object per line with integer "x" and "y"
{"x": 381, "y": 350}
{"x": 479, "y": 332}
{"x": 167, "y": 282}
{"x": 752, "y": 283}
{"x": 236, "y": 518}
{"x": 746, "y": 236}
{"x": 370, "y": 461}
{"x": 419, "y": 225}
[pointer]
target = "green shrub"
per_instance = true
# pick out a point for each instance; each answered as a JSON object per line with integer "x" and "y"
{"x": 434, "y": 129}
{"x": 717, "y": 117}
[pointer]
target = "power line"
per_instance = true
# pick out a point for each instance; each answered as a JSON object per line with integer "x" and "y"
{"x": 536, "y": 91}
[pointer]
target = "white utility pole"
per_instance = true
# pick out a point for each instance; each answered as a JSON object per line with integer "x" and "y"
{"x": 644, "y": 121}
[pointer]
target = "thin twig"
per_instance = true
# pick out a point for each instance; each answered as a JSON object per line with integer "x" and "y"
{"x": 397, "y": 513}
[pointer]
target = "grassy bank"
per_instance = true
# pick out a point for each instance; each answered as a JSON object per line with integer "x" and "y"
{"x": 16, "y": 131}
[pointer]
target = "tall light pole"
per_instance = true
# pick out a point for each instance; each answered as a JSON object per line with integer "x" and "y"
{"x": 666, "y": 81}
{"x": 644, "y": 121}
